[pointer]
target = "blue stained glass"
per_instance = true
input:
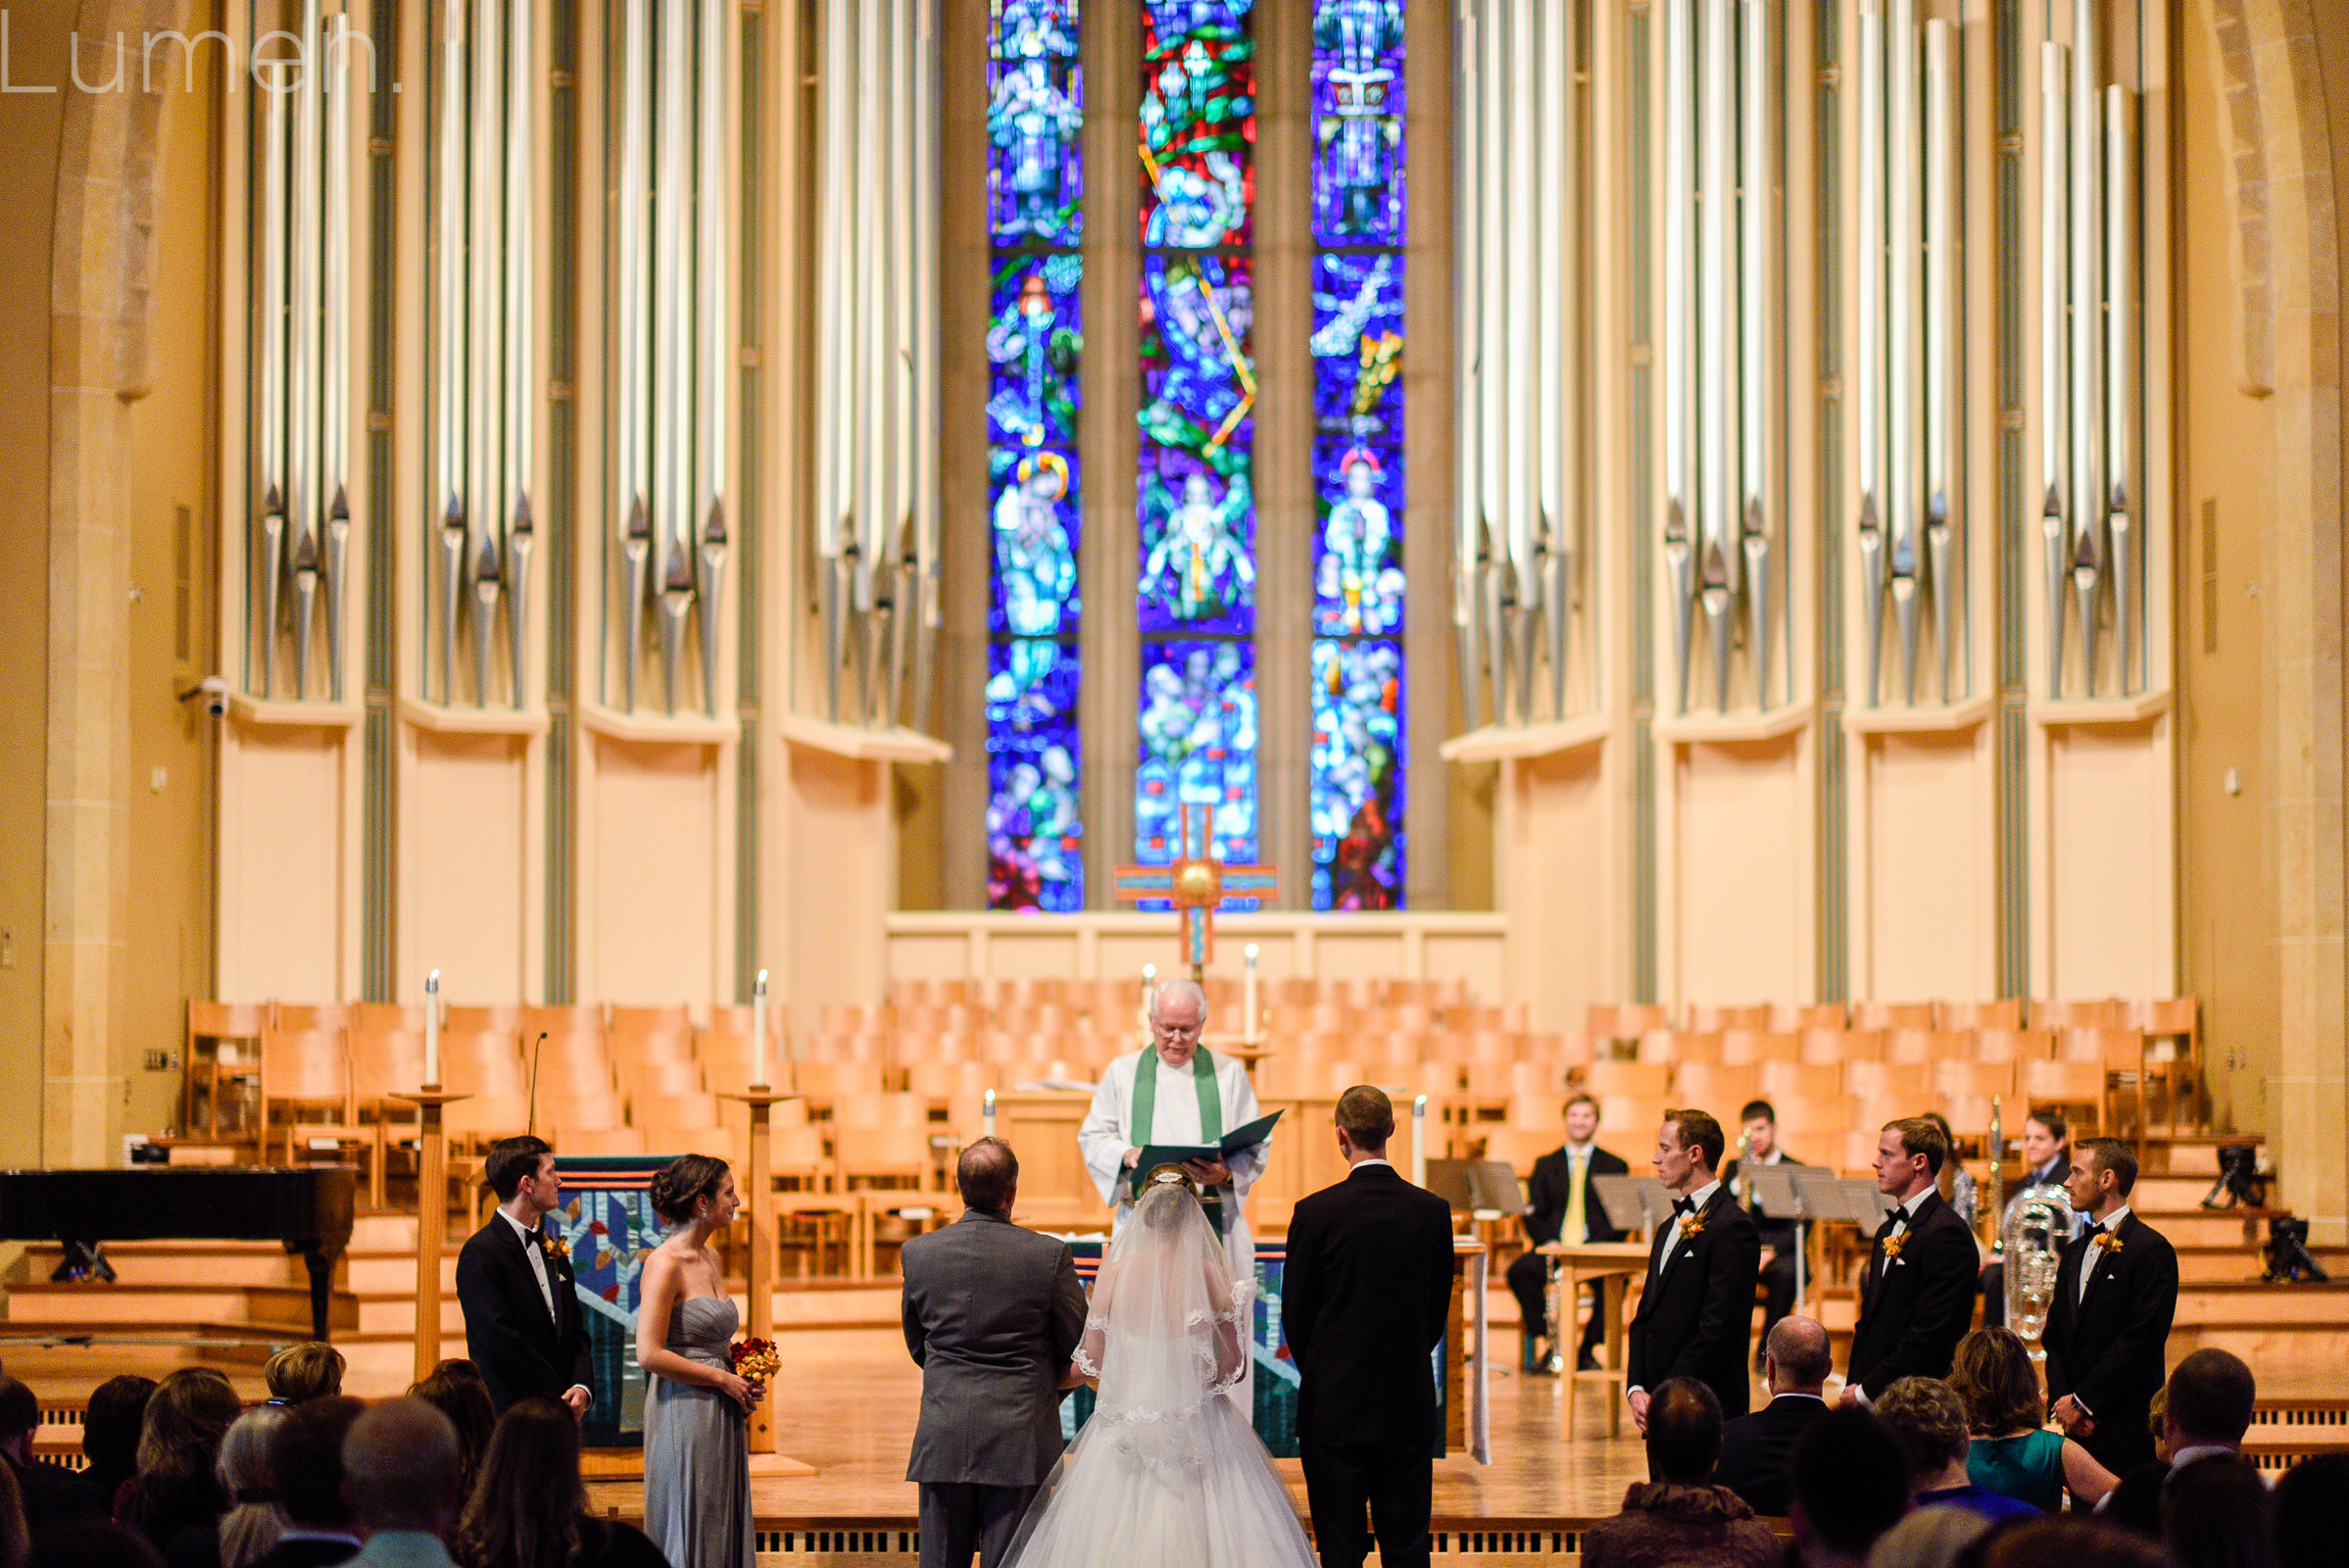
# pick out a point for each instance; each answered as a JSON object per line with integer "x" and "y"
{"x": 1358, "y": 774}
{"x": 1358, "y": 445}
{"x": 1358, "y": 123}
{"x": 1196, "y": 502}
{"x": 1035, "y": 341}
{"x": 1035, "y": 849}
{"x": 1197, "y": 123}
{"x": 1199, "y": 745}
{"x": 1035, "y": 110}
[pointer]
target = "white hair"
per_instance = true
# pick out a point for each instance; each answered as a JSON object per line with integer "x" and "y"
{"x": 1177, "y": 990}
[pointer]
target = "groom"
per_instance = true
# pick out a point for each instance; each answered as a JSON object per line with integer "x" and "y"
{"x": 522, "y": 1326}
{"x": 992, "y": 1313}
{"x": 1365, "y": 1295}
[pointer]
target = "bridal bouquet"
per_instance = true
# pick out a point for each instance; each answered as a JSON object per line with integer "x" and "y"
{"x": 754, "y": 1360}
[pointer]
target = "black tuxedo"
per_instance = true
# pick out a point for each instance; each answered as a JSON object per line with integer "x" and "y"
{"x": 1914, "y": 1309}
{"x": 1778, "y": 1234}
{"x": 1757, "y": 1449}
{"x": 315, "y": 1553}
{"x": 2108, "y": 1349}
{"x": 1550, "y": 1190}
{"x": 1695, "y": 1317}
{"x": 518, "y": 1349}
{"x": 1365, "y": 1296}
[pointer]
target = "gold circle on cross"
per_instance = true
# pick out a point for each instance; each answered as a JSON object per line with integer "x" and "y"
{"x": 1197, "y": 882}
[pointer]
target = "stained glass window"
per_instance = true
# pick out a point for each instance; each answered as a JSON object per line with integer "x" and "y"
{"x": 1035, "y": 347}
{"x": 1356, "y": 766}
{"x": 1196, "y": 495}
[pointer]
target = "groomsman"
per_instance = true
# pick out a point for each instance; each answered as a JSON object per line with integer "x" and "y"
{"x": 1564, "y": 1209}
{"x": 1695, "y": 1316}
{"x": 1759, "y": 1122}
{"x": 1917, "y": 1293}
{"x": 2109, "y": 1324}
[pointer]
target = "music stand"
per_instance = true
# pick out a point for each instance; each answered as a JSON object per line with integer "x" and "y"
{"x": 1497, "y": 1187}
{"x": 1453, "y": 1181}
{"x": 1634, "y": 1202}
{"x": 1777, "y": 1196}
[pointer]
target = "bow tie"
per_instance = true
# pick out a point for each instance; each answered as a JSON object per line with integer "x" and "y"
{"x": 1683, "y": 1206}
{"x": 1891, "y": 1223}
{"x": 2094, "y": 1231}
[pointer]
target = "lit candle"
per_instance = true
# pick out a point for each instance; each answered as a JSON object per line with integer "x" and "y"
{"x": 988, "y": 1115}
{"x": 432, "y": 1030}
{"x": 1247, "y": 994}
{"x": 758, "y": 1032}
{"x": 1419, "y": 1141}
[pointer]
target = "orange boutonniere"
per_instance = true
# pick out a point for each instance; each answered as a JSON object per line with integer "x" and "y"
{"x": 554, "y": 1246}
{"x": 1893, "y": 1246}
{"x": 1691, "y": 1227}
{"x": 2108, "y": 1243}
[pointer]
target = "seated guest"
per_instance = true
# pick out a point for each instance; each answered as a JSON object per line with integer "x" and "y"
{"x": 1758, "y": 1129}
{"x": 47, "y": 1492}
{"x": 109, "y": 1429}
{"x": 2305, "y": 1526}
{"x": 252, "y": 1523}
{"x": 306, "y": 1463}
{"x": 1850, "y": 1486}
{"x": 2011, "y": 1453}
{"x": 1756, "y": 1449}
{"x": 1564, "y": 1208}
{"x": 302, "y": 1372}
{"x": 179, "y": 1450}
{"x": 16, "y": 1541}
{"x": 399, "y": 1471}
{"x": 92, "y": 1544}
{"x": 2216, "y": 1514}
{"x": 529, "y": 1508}
{"x": 454, "y": 1389}
{"x": 1929, "y": 1423}
{"x": 2205, "y": 1409}
{"x": 1929, "y": 1537}
{"x": 2074, "y": 1541}
{"x": 1681, "y": 1516}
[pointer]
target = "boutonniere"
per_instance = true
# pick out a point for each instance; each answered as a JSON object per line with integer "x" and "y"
{"x": 2108, "y": 1243}
{"x": 1893, "y": 1246}
{"x": 554, "y": 1246}
{"x": 1691, "y": 1227}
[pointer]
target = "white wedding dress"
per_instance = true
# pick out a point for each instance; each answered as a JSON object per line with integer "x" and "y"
{"x": 1167, "y": 1473}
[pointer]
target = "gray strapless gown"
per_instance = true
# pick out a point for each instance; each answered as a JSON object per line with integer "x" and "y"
{"x": 698, "y": 1450}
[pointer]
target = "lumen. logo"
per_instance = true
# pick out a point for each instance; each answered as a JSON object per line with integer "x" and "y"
{"x": 276, "y": 62}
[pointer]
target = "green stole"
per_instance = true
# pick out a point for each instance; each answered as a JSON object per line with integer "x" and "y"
{"x": 1210, "y": 1113}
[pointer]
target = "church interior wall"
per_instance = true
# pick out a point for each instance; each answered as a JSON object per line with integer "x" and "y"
{"x": 1945, "y": 944}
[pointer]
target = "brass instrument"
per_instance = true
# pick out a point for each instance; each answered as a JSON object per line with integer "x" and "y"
{"x": 1996, "y": 1209}
{"x": 1744, "y": 1189}
{"x": 2032, "y": 1236}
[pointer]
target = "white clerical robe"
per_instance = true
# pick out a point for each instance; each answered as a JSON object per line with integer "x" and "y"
{"x": 1106, "y": 1134}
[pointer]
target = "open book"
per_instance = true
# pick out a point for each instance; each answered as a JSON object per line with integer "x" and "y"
{"x": 1232, "y": 1142}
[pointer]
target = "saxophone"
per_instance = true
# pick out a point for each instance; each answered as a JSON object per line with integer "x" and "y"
{"x": 2032, "y": 1235}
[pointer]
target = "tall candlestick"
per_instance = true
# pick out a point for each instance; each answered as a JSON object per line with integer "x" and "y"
{"x": 432, "y": 1030}
{"x": 1419, "y": 1141}
{"x": 758, "y": 1032}
{"x": 1247, "y": 994}
{"x": 988, "y": 1115}
{"x": 1150, "y": 985}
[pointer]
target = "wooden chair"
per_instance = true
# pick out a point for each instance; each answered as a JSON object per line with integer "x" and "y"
{"x": 1626, "y": 1022}
{"x": 2173, "y": 1031}
{"x": 387, "y": 1017}
{"x": 384, "y": 1064}
{"x": 1675, "y": 1046}
{"x": 1911, "y": 1047}
{"x": 2077, "y": 1085}
{"x": 1633, "y": 1117}
{"x": 826, "y": 1080}
{"x": 484, "y": 1062}
{"x": 727, "y": 1059}
{"x": 2006, "y": 1014}
{"x": 479, "y": 1120}
{"x": 312, "y": 1017}
{"x": 949, "y": 1080}
{"x": 674, "y": 1110}
{"x": 581, "y": 1110}
{"x": 1792, "y": 1019}
{"x": 1751, "y": 1048}
{"x": 1832, "y": 1047}
{"x": 628, "y": 1049}
{"x": 1907, "y": 1083}
{"x": 568, "y": 1063}
{"x": 601, "y": 1141}
{"x": 503, "y": 1017}
{"x": 1970, "y": 1115}
{"x": 583, "y": 1018}
{"x": 1639, "y": 1080}
{"x": 2127, "y": 1071}
{"x": 304, "y": 1078}
{"x": 1720, "y": 1089}
{"x": 887, "y": 1156}
{"x": 1892, "y": 1016}
{"x": 659, "y": 1076}
{"x": 220, "y": 1038}
{"x": 2013, "y": 1044}
{"x": 663, "y": 1020}
{"x": 2103, "y": 1013}
{"x": 1784, "y": 1081}
{"x": 1974, "y": 1080}
{"x": 881, "y": 1110}
{"x": 1713, "y": 1018}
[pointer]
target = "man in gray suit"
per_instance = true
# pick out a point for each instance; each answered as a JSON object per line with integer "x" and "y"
{"x": 992, "y": 1313}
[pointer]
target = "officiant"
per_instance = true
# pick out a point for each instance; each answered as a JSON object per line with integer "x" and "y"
{"x": 1177, "y": 1093}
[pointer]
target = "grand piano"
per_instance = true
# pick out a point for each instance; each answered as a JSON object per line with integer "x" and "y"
{"x": 305, "y": 1208}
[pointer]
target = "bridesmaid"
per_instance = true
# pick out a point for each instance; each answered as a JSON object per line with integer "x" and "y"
{"x": 697, "y": 1429}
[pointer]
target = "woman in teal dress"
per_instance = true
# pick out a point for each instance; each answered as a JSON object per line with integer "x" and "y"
{"x": 2013, "y": 1453}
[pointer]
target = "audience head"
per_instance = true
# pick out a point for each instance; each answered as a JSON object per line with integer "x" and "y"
{"x": 454, "y": 1389}
{"x": 1994, "y": 1378}
{"x": 1684, "y": 1432}
{"x": 1177, "y": 1020}
{"x": 695, "y": 1188}
{"x": 1758, "y": 1120}
{"x": 401, "y": 1465}
{"x": 524, "y": 1511}
{"x": 1687, "y": 1150}
{"x": 109, "y": 1427}
{"x": 2103, "y": 1171}
{"x": 1928, "y": 1420}
{"x": 184, "y": 1421}
{"x": 1849, "y": 1484}
{"x": 16, "y": 1537}
{"x": 1929, "y": 1537}
{"x": 301, "y": 1372}
{"x": 252, "y": 1524}
{"x": 305, "y": 1462}
{"x": 2215, "y": 1514}
{"x": 1796, "y": 1355}
{"x": 988, "y": 1176}
{"x": 2306, "y": 1529}
{"x": 2044, "y": 1133}
{"x": 20, "y": 1419}
{"x": 91, "y": 1543}
{"x": 2074, "y": 1541}
{"x": 1581, "y": 1118}
{"x": 524, "y": 1168}
{"x": 1909, "y": 1154}
{"x": 1365, "y": 1119}
{"x": 2211, "y": 1393}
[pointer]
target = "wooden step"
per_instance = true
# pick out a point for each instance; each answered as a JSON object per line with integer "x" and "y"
{"x": 2202, "y": 1265}
{"x": 392, "y": 1270}
{"x": 211, "y": 1263}
{"x": 394, "y": 1312}
{"x": 166, "y": 1308}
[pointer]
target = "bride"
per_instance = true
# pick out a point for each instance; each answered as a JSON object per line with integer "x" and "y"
{"x": 1167, "y": 1471}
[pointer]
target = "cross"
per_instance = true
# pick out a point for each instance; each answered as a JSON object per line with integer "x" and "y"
{"x": 1196, "y": 884}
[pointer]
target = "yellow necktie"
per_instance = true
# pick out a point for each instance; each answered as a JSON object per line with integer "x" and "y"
{"x": 1574, "y": 1230}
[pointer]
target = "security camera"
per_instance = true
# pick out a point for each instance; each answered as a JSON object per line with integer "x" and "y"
{"x": 213, "y": 691}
